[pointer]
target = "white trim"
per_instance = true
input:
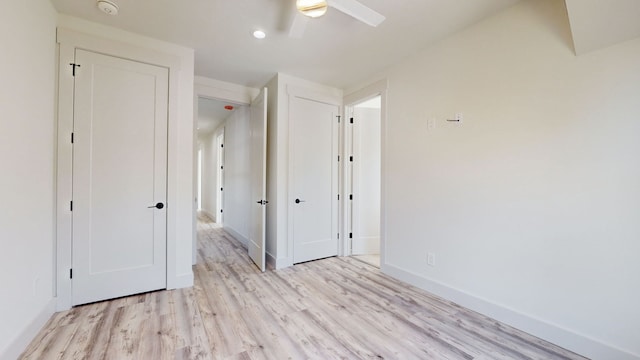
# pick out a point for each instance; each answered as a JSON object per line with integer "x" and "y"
{"x": 378, "y": 88}
{"x": 277, "y": 264}
{"x": 24, "y": 338}
{"x": 216, "y": 89}
{"x": 208, "y": 214}
{"x": 183, "y": 281}
{"x": 68, "y": 41}
{"x": 236, "y": 235}
{"x": 553, "y": 333}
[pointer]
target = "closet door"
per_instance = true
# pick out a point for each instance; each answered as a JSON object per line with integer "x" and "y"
{"x": 119, "y": 177}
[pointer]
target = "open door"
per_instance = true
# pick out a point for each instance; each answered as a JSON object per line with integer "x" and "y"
{"x": 258, "y": 136}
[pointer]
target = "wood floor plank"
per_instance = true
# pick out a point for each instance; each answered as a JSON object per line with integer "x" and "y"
{"x": 335, "y": 308}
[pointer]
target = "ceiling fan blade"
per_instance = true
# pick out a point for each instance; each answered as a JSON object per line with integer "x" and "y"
{"x": 358, "y": 11}
{"x": 298, "y": 26}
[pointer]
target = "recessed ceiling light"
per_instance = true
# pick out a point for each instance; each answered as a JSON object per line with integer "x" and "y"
{"x": 108, "y": 7}
{"x": 259, "y": 34}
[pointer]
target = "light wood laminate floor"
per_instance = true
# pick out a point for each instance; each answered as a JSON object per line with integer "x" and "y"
{"x": 371, "y": 259}
{"x": 336, "y": 308}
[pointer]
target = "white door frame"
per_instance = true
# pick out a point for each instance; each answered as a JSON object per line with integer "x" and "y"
{"x": 219, "y": 144}
{"x": 304, "y": 93}
{"x": 217, "y": 90}
{"x": 376, "y": 89}
{"x": 68, "y": 41}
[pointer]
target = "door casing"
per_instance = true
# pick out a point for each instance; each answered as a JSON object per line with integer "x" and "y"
{"x": 68, "y": 41}
{"x": 376, "y": 89}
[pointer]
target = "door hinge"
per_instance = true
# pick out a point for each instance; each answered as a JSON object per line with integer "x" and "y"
{"x": 350, "y": 235}
{"x": 73, "y": 67}
{"x": 338, "y": 158}
{"x": 72, "y": 138}
{"x": 70, "y": 205}
{"x": 351, "y": 120}
{"x": 338, "y": 116}
{"x": 221, "y": 145}
{"x": 350, "y": 196}
{"x": 221, "y": 167}
{"x": 338, "y": 197}
{"x": 338, "y": 236}
{"x": 351, "y": 158}
{"x": 221, "y": 189}
{"x": 70, "y": 273}
{"x": 221, "y": 211}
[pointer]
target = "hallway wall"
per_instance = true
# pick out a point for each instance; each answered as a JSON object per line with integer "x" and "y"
{"x": 27, "y": 132}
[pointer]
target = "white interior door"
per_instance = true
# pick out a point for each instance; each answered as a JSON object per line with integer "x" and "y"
{"x": 119, "y": 177}
{"x": 258, "y": 138}
{"x": 314, "y": 179}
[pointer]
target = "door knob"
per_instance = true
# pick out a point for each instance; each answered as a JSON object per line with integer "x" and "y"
{"x": 157, "y": 206}
{"x": 298, "y": 201}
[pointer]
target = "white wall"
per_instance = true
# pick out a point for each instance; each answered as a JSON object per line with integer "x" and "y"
{"x": 532, "y": 204}
{"x": 27, "y": 108}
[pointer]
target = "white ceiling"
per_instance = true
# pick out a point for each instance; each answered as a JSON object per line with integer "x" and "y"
{"x": 212, "y": 113}
{"x": 336, "y": 49}
{"x": 596, "y": 24}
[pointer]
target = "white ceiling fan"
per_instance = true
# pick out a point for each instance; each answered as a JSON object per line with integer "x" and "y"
{"x": 308, "y": 9}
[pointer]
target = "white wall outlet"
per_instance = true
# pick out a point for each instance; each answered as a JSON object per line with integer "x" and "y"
{"x": 431, "y": 259}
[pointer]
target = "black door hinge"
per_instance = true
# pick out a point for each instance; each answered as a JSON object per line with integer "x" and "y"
{"x": 338, "y": 197}
{"x": 338, "y": 116}
{"x": 221, "y": 167}
{"x": 70, "y": 273}
{"x": 220, "y": 210}
{"x": 71, "y": 205}
{"x": 350, "y": 196}
{"x": 221, "y": 145}
{"x": 73, "y": 67}
{"x": 350, "y": 235}
{"x": 351, "y": 158}
{"x": 72, "y": 138}
{"x": 351, "y": 120}
{"x": 221, "y": 189}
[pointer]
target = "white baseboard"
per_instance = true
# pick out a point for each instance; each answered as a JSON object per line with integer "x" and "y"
{"x": 20, "y": 343}
{"x": 208, "y": 214}
{"x": 271, "y": 261}
{"x": 278, "y": 263}
{"x": 243, "y": 240}
{"x": 570, "y": 340}
{"x": 181, "y": 281}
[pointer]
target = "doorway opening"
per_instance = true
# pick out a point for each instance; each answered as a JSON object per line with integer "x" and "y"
{"x": 212, "y": 118}
{"x": 364, "y": 179}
